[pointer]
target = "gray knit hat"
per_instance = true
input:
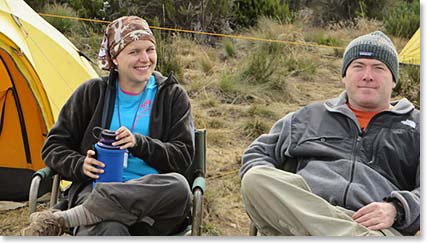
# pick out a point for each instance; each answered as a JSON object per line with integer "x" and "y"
{"x": 374, "y": 45}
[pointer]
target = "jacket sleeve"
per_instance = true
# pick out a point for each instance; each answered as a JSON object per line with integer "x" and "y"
{"x": 269, "y": 149}
{"x": 410, "y": 201}
{"x": 176, "y": 153}
{"x": 61, "y": 150}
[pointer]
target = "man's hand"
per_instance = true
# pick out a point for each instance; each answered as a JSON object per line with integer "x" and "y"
{"x": 376, "y": 215}
{"x": 90, "y": 163}
{"x": 124, "y": 138}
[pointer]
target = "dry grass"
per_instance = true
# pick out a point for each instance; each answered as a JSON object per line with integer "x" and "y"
{"x": 234, "y": 112}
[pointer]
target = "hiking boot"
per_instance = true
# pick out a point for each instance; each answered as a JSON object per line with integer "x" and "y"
{"x": 44, "y": 223}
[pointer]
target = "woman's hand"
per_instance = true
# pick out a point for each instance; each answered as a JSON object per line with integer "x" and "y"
{"x": 90, "y": 163}
{"x": 124, "y": 138}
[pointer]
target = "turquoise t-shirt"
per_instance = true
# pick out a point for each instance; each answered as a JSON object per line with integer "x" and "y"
{"x": 135, "y": 110}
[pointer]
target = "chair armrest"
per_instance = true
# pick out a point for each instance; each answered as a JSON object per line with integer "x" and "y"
{"x": 200, "y": 183}
{"x": 44, "y": 173}
{"x": 38, "y": 177}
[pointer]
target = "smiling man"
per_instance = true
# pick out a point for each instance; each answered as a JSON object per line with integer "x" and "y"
{"x": 355, "y": 159}
{"x": 151, "y": 115}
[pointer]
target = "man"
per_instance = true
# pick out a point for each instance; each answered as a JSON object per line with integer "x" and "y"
{"x": 356, "y": 158}
{"x": 151, "y": 115}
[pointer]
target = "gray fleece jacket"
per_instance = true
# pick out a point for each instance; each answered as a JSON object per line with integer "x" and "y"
{"x": 344, "y": 165}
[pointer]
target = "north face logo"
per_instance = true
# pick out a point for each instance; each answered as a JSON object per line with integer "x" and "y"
{"x": 409, "y": 123}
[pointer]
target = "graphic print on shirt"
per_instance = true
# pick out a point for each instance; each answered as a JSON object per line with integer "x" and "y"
{"x": 144, "y": 110}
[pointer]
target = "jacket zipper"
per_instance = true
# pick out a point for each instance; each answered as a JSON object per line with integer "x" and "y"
{"x": 353, "y": 162}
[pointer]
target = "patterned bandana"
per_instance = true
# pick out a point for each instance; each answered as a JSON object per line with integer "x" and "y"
{"x": 118, "y": 35}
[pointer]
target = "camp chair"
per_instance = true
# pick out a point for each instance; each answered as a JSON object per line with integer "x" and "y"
{"x": 195, "y": 177}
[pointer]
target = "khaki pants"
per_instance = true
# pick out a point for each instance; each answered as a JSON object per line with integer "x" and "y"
{"x": 281, "y": 203}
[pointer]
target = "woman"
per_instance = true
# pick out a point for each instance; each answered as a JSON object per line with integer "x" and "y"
{"x": 151, "y": 115}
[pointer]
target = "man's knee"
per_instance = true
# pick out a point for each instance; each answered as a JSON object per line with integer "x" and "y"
{"x": 251, "y": 181}
{"x": 105, "y": 228}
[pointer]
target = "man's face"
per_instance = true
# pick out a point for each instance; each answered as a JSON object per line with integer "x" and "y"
{"x": 136, "y": 62}
{"x": 369, "y": 84}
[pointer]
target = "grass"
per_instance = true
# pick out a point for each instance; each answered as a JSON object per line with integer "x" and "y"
{"x": 239, "y": 88}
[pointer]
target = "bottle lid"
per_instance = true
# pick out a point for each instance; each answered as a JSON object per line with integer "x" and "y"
{"x": 107, "y": 137}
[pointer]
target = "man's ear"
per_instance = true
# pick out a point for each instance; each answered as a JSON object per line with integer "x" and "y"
{"x": 394, "y": 84}
{"x": 115, "y": 62}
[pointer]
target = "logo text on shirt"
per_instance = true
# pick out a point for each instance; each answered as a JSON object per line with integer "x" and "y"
{"x": 409, "y": 123}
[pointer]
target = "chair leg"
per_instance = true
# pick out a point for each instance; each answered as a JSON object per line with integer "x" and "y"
{"x": 252, "y": 229}
{"x": 197, "y": 213}
{"x": 55, "y": 191}
{"x": 34, "y": 190}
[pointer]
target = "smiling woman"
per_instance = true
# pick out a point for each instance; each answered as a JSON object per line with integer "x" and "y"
{"x": 151, "y": 116}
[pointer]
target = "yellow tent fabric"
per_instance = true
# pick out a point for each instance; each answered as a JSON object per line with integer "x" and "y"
{"x": 410, "y": 54}
{"x": 39, "y": 69}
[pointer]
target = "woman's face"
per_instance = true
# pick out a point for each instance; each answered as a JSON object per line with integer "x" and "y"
{"x": 136, "y": 62}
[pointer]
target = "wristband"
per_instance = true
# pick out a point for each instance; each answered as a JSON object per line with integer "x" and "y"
{"x": 400, "y": 212}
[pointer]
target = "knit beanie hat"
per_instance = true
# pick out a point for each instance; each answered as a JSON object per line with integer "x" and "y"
{"x": 374, "y": 45}
{"x": 120, "y": 33}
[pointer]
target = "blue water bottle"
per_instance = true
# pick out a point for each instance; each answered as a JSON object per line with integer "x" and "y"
{"x": 112, "y": 156}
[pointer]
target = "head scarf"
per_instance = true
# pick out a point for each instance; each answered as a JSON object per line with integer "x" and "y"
{"x": 120, "y": 33}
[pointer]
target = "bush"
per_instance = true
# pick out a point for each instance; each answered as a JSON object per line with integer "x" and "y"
{"x": 333, "y": 11}
{"x": 229, "y": 48}
{"x": 247, "y": 12}
{"x": 409, "y": 83}
{"x": 255, "y": 128}
{"x": 64, "y": 25}
{"x": 323, "y": 39}
{"x": 403, "y": 18}
{"x": 167, "y": 60}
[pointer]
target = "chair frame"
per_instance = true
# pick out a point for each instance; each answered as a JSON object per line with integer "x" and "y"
{"x": 195, "y": 177}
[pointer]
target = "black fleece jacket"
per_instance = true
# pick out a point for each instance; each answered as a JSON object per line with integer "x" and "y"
{"x": 169, "y": 147}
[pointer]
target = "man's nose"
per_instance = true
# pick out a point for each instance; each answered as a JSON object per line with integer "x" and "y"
{"x": 367, "y": 75}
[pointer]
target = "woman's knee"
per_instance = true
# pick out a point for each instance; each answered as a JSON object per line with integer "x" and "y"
{"x": 181, "y": 187}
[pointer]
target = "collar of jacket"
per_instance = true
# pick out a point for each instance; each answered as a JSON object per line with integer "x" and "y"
{"x": 339, "y": 104}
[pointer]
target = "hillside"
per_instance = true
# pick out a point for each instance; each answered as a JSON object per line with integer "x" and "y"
{"x": 238, "y": 89}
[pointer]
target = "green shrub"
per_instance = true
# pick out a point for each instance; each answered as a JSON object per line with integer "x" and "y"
{"x": 323, "y": 39}
{"x": 229, "y": 48}
{"x": 263, "y": 63}
{"x": 255, "y": 128}
{"x": 228, "y": 85}
{"x": 403, "y": 18}
{"x": 409, "y": 83}
{"x": 246, "y": 12}
{"x": 257, "y": 110}
{"x": 64, "y": 25}
{"x": 167, "y": 60}
{"x": 333, "y": 11}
